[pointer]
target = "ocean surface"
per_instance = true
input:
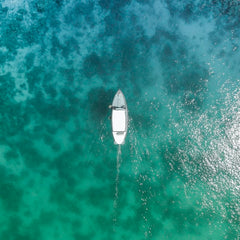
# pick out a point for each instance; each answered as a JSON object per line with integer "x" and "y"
{"x": 178, "y": 175}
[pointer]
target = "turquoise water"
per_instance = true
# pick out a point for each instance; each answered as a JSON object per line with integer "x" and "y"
{"x": 178, "y": 174}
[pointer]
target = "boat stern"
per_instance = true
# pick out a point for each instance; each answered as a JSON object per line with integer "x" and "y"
{"x": 119, "y": 137}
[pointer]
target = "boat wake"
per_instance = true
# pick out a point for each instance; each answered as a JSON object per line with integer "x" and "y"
{"x": 115, "y": 204}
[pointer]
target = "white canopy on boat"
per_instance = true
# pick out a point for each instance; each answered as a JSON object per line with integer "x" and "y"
{"x": 118, "y": 120}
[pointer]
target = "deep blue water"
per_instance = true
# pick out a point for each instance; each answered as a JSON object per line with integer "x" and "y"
{"x": 178, "y": 174}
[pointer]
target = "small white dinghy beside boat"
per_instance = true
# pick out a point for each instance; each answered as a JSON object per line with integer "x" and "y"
{"x": 119, "y": 118}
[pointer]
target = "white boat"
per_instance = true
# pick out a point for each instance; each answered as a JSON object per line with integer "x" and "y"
{"x": 119, "y": 118}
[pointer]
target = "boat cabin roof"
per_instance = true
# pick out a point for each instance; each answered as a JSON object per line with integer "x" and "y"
{"x": 119, "y": 120}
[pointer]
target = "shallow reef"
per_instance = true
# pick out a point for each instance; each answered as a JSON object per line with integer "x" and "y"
{"x": 177, "y": 176}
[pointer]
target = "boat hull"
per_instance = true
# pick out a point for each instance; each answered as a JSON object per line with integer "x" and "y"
{"x": 119, "y": 118}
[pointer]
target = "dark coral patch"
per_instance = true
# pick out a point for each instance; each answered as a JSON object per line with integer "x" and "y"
{"x": 194, "y": 79}
{"x": 167, "y": 54}
{"x": 34, "y": 78}
{"x": 65, "y": 165}
{"x": 68, "y": 75}
{"x": 182, "y": 75}
{"x": 7, "y": 88}
{"x": 3, "y": 57}
{"x": 93, "y": 65}
{"x": 115, "y": 4}
{"x": 14, "y": 230}
{"x": 10, "y": 192}
{"x": 70, "y": 46}
{"x": 188, "y": 12}
{"x": 32, "y": 157}
{"x": 11, "y": 154}
{"x": 127, "y": 54}
{"x": 106, "y": 4}
{"x": 99, "y": 99}
{"x": 79, "y": 235}
{"x": 192, "y": 102}
{"x": 29, "y": 60}
{"x": 13, "y": 119}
